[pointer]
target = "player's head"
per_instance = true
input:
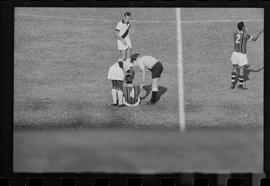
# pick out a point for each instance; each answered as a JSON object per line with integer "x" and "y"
{"x": 241, "y": 26}
{"x": 129, "y": 76}
{"x": 134, "y": 61}
{"x": 127, "y": 17}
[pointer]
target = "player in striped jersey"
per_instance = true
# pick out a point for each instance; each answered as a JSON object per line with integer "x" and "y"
{"x": 149, "y": 63}
{"x": 239, "y": 55}
{"x": 122, "y": 34}
{"x": 131, "y": 92}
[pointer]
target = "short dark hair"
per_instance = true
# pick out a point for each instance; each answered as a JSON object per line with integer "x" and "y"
{"x": 127, "y": 14}
{"x": 240, "y": 25}
{"x": 130, "y": 76}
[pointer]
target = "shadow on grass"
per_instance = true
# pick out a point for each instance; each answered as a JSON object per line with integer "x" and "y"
{"x": 247, "y": 72}
{"x": 161, "y": 91}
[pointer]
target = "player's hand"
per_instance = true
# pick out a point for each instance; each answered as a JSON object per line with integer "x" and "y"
{"x": 124, "y": 42}
{"x": 141, "y": 87}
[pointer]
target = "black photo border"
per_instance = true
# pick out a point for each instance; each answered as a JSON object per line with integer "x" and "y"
{"x": 7, "y": 67}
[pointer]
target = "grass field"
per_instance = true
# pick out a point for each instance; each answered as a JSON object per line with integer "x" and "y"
{"x": 60, "y": 67}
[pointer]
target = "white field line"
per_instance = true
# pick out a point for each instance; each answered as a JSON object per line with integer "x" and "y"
{"x": 182, "y": 125}
{"x": 141, "y": 21}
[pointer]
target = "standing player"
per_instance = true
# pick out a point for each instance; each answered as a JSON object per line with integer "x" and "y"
{"x": 239, "y": 56}
{"x": 131, "y": 91}
{"x": 152, "y": 64}
{"x": 117, "y": 75}
{"x": 122, "y": 34}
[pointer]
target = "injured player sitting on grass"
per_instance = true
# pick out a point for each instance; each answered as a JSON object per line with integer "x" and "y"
{"x": 131, "y": 92}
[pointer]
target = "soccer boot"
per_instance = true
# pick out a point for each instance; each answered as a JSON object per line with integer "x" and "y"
{"x": 232, "y": 86}
{"x": 123, "y": 105}
{"x": 242, "y": 88}
{"x": 113, "y": 104}
{"x": 150, "y": 102}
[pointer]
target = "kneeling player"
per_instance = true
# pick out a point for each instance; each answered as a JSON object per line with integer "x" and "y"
{"x": 131, "y": 92}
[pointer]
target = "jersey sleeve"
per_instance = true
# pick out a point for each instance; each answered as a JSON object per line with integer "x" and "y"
{"x": 118, "y": 26}
{"x": 249, "y": 36}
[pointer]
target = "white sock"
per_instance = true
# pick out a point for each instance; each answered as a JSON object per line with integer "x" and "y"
{"x": 120, "y": 97}
{"x": 154, "y": 89}
{"x": 114, "y": 96}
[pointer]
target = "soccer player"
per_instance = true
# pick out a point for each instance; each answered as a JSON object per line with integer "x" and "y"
{"x": 131, "y": 91}
{"x": 116, "y": 74}
{"x": 239, "y": 56}
{"x": 150, "y": 63}
{"x": 122, "y": 34}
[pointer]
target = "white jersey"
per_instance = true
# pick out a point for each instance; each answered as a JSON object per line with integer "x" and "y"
{"x": 123, "y": 29}
{"x": 146, "y": 61}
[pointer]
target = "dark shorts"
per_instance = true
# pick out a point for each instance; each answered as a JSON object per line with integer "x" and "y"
{"x": 156, "y": 70}
{"x": 116, "y": 84}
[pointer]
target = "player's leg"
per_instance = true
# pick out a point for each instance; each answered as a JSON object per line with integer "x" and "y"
{"x": 234, "y": 74}
{"x": 128, "y": 52}
{"x": 129, "y": 48}
{"x": 242, "y": 63}
{"x": 123, "y": 54}
{"x": 156, "y": 73}
{"x": 114, "y": 92}
{"x": 122, "y": 48}
{"x": 241, "y": 77}
{"x": 120, "y": 93}
{"x": 154, "y": 90}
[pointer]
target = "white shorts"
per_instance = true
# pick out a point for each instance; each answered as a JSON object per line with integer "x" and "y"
{"x": 239, "y": 59}
{"x": 121, "y": 46}
{"x": 116, "y": 73}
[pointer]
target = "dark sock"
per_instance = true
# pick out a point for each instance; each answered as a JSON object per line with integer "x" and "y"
{"x": 154, "y": 96}
{"x": 241, "y": 81}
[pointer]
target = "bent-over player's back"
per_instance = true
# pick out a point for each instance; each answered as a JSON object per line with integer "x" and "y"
{"x": 147, "y": 61}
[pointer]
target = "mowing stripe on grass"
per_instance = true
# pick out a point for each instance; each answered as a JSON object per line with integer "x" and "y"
{"x": 180, "y": 71}
{"x": 142, "y": 21}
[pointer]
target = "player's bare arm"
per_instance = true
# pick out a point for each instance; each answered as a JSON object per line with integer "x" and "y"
{"x": 142, "y": 68}
{"x": 257, "y": 36}
{"x": 119, "y": 37}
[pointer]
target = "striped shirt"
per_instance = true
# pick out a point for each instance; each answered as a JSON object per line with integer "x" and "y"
{"x": 240, "y": 41}
{"x": 131, "y": 94}
{"x": 123, "y": 28}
